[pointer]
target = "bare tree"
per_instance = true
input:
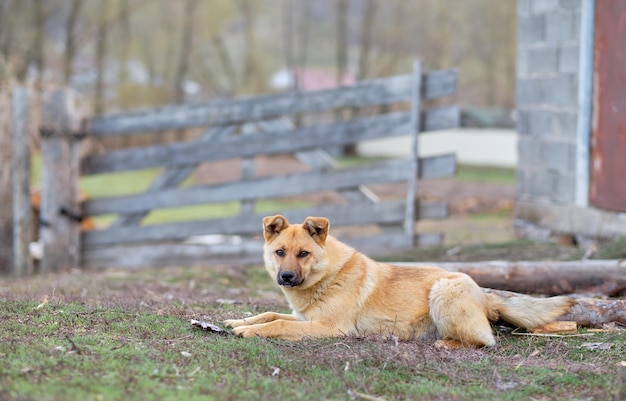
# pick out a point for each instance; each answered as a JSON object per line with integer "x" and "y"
{"x": 6, "y": 196}
{"x": 367, "y": 28}
{"x": 124, "y": 21}
{"x": 393, "y": 34}
{"x": 70, "y": 40}
{"x": 342, "y": 46}
{"x": 101, "y": 50}
{"x": 288, "y": 41}
{"x": 185, "y": 50}
{"x": 226, "y": 61}
{"x": 7, "y": 27}
{"x": 37, "y": 57}
{"x": 246, "y": 10}
{"x": 303, "y": 35}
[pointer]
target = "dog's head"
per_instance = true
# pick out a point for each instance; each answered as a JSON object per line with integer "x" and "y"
{"x": 295, "y": 254}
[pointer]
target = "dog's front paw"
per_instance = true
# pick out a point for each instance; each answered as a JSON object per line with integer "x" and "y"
{"x": 246, "y": 331}
{"x": 235, "y": 323}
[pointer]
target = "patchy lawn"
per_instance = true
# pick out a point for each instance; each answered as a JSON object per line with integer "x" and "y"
{"x": 116, "y": 335}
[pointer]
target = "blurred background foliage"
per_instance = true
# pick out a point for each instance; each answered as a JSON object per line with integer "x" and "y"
{"x": 123, "y": 54}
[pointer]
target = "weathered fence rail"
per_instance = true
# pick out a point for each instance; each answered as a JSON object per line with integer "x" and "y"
{"x": 240, "y": 129}
{"x": 375, "y": 92}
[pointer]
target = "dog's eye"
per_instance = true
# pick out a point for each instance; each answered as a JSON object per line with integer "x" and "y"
{"x": 280, "y": 252}
{"x": 303, "y": 254}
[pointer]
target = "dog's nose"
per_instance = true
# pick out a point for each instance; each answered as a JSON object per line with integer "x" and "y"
{"x": 287, "y": 276}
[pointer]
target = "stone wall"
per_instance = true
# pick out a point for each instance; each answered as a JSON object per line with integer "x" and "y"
{"x": 547, "y": 99}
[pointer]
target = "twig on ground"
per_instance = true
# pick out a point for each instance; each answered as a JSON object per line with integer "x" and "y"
{"x": 74, "y": 347}
{"x": 355, "y": 394}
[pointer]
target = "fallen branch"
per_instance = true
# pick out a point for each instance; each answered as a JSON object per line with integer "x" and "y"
{"x": 607, "y": 277}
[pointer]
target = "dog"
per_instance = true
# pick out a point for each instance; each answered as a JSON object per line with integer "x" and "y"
{"x": 334, "y": 290}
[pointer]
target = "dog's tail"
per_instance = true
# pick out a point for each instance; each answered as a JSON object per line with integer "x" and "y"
{"x": 528, "y": 312}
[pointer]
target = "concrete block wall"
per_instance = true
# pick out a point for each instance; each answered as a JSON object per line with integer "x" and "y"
{"x": 547, "y": 99}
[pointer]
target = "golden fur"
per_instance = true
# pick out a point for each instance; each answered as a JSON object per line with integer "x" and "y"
{"x": 335, "y": 290}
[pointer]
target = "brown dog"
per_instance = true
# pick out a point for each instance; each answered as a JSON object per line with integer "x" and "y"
{"x": 334, "y": 290}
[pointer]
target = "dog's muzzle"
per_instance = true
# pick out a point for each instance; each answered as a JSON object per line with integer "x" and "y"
{"x": 288, "y": 279}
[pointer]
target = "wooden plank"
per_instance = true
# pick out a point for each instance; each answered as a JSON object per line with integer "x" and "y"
{"x": 319, "y": 159}
{"x": 391, "y": 212}
{"x": 288, "y": 141}
{"x": 22, "y": 221}
{"x": 432, "y": 210}
{"x": 438, "y": 118}
{"x": 141, "y": 256}
{"x": 379, "y": 245}
{"x": 261, "y": 188}
{"x": 172, "y": 176}
{"x": 59, "y": 182}
{"x": 247, "y": 170}
{"x": 411, "y": 195}
{"x": 367, "y": 93}
{"x": 273, "y": 187}
{"x": 247, "y": 252}
{"x": 437, "y": 166}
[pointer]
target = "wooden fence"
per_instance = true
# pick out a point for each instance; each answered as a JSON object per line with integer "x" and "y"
{"x": 241, "y": 129}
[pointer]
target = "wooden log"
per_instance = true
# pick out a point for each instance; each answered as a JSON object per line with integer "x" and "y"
{"x": 367, "y": 93}
{"x": 59, "y": 182}
{"x": 284, "y": 141}
{"x": 22, "y": 221}
{"x": 272, "y": 187}
{"x": 550, "y": 278}
{"x": 589, "y": 312}
{"x": 586, "y": 312}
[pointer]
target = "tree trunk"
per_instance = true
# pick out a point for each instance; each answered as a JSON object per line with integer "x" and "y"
{"x": 70, "y": 40}
{"x": 185, "y": 50}
{"x": 342, "y": 61}
{"x": 367, "y": 26}
{"x": 607, "y": 277}
{"x": 226, "y": 61}
{"x": 288, "y": 47}
{"x": 101, "y": 49}
{"x": 38, "y": 56}
{"x": 246, "y": 8}
{"x": 6, "y": 182}
{"x": 342, "y": 48}
{"x": 7, "y": 27}
{"x": 183, "y": 60}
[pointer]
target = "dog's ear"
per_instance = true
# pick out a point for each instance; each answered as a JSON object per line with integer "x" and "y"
{"x": 317, "y": 228}
{"x": 273, "y": 225}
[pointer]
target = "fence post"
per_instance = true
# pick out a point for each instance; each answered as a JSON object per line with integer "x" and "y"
{"x": 22, "y": 222}
{"x": 411, "y": 201}
{"x": 59, "y": 182}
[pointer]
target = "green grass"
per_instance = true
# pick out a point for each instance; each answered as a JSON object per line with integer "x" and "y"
{"x": 70, "y": 351}
{"x": 487, "y": 174}
{"x": 120, "y": 335}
